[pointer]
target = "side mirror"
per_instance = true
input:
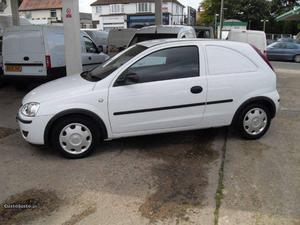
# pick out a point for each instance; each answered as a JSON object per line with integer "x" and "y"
{"x": 132, "y": 77}
{"x": 128, "y": 78}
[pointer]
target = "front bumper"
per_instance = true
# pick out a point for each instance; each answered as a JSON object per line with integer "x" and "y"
{"x": 33, "y": 128}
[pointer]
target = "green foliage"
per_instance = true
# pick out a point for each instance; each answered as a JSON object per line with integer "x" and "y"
{"x": 251, "y": 11}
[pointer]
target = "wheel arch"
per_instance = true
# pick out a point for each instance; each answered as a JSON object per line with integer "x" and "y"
{"x": 78, "y": 112}
{"x": 261, "y": 99}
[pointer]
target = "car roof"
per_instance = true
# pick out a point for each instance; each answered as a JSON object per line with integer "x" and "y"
{"x": 152, "y": 43}
{"x": 170, "y": 29}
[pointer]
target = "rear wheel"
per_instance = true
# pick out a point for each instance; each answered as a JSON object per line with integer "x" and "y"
{"x": 297, "y": 59}
{"x": 254, "y": 121}
{"x": 74, "y": 137}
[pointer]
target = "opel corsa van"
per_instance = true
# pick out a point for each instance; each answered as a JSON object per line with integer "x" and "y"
{"x": 154, "y": 87}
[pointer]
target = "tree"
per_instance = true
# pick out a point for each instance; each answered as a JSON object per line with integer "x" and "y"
{"x": 251, "y": 11}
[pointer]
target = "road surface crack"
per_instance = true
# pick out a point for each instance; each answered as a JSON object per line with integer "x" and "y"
{"x": 219, "y": 191}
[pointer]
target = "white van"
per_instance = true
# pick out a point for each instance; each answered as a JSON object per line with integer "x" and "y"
{"x": 39, "y": 51}
{"x": 99, "y": 37}
{"x": 162, "y": 32}
{"x": 254, "y": 37}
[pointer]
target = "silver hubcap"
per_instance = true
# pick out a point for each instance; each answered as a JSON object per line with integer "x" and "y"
{"x": 255, "y": 121}
{"x": 75, "y": 138}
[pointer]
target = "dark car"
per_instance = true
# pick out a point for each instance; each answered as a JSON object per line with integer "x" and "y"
{"x": 284, "y": 51}
{"x": 288, "y": 40}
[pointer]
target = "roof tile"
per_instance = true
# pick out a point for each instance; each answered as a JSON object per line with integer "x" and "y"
{"x": 40, "y": 4}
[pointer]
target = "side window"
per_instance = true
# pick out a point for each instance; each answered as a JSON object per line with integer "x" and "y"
{"x": 90, "y": 46}
{"x": 222, "y": 60}
{"x": 167, "y": 64}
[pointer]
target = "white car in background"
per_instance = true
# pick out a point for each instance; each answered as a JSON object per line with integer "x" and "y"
{"x": 253, "y": 37}
{"x": 154, "y": 87}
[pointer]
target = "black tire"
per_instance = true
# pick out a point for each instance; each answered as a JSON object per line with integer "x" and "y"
{"x": 240, "y": 121}
{"x": 78, "y": 119}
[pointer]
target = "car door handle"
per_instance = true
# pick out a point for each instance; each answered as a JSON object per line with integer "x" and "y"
{"x": 90, "y": 58}
{"x": 196, "y": 90}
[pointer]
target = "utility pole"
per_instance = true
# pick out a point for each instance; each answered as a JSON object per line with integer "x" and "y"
{"x": 158, "y": 12}
{"x": 221, "y": 18}
{"x": 15, "y": 12}
{"x": 72, "y": 36}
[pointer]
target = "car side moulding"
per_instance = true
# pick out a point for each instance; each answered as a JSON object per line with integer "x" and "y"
{"x": 69, "y": 112}
{"x": 259, "y": 99}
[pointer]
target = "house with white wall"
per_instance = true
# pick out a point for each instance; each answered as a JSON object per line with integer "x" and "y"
{"x": 42, "y": 11}
{"x": 115, "y": 14}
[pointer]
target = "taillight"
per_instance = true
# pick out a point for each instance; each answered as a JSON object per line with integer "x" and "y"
{"x": 48, "y": 61}
{"x": 264, "y": 56}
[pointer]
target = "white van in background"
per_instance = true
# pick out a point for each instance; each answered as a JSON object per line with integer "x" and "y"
{"x": 39, "y": 51}
{"x": 254, "y": 37}
{"x": 99, "y": 37}
{"x": 162, "y": 32}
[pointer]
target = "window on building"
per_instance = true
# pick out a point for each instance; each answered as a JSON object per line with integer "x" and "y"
{"x": 177, "y": 9}
{"x": 117, "y": 8}
{"x": 53, "y": 13}
{"x": 28, "y": 15}
{"x": 144, "y": 7}
{"x": 98, "y": 9}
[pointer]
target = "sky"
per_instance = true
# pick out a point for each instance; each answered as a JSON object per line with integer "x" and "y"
{"x": 84, "y": 5}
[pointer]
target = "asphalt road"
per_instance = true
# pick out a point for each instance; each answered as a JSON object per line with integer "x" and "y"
{"x": 200, "y": 177}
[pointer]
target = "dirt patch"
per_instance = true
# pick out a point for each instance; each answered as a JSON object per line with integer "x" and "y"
{"x": 27, "y": 206}
{"x": 5, "y": 132}
{"x": 182, "y": 178}
{"x": 78, "y": 217}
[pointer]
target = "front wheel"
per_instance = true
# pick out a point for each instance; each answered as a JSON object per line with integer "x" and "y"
{"x": 74, "y": 137}
{"x": 254, "y": 121}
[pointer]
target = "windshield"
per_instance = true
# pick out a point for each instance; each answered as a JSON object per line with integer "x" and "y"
{"x": 110, "y": 66}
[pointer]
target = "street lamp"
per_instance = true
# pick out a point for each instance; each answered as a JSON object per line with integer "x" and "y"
{"x": 216, "y": 24}
{"x": 264, "y": 21}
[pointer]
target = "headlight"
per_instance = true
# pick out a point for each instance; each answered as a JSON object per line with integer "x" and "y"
{"x": 30, "y": 109}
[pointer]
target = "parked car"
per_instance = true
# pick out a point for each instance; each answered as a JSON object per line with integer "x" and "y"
{"x": 154, "y": 87}
{"x": 162, "y": 32}
{"x": 254, "y": 37}
{"x": 204, "y": 32}
{"x": 284, "y": 51}
{"x": 287, "y": 40}
{"x": 99, "y": 37}
{"x": 39, "y": 51}
{"x": 118, "y": 39}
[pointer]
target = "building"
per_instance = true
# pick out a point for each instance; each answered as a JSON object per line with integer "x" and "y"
{"x": 42, "y": 11}
{"x": 191, "y": 16}
{"x": 110, "y": 14}
{"x": 49, "y": 12}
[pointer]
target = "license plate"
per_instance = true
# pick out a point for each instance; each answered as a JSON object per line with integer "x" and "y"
{"x": 13, "y": 68}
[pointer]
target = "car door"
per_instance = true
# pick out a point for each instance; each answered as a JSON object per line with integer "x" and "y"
{"x": 91, "y": 57}
{"x": 169, "y": 95}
